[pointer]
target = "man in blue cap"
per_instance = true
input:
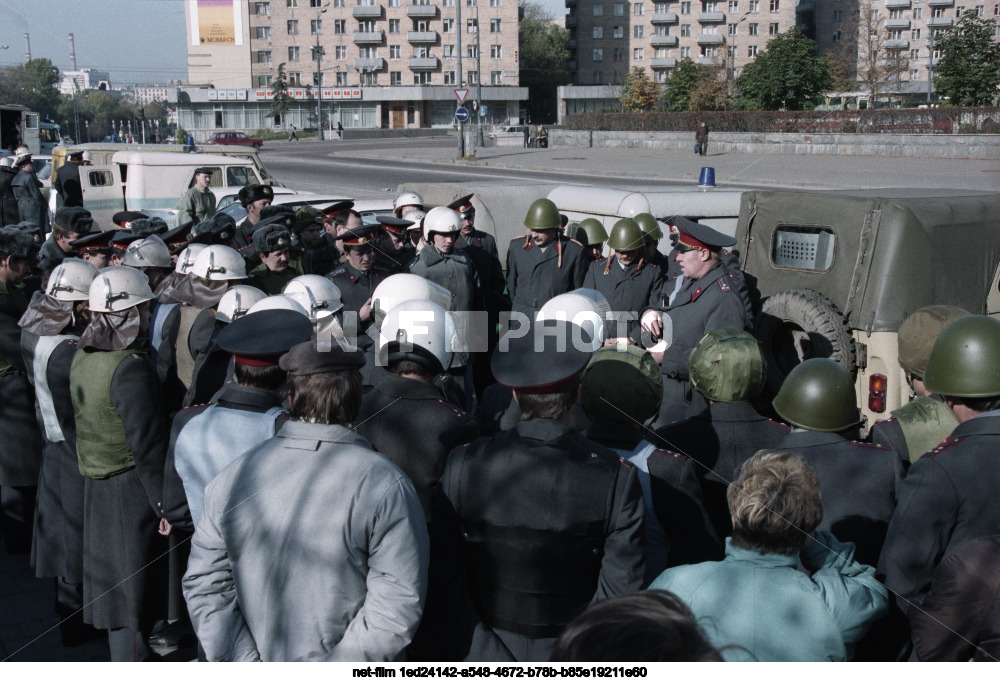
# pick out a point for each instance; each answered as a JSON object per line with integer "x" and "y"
{"x": 706, "y": 301}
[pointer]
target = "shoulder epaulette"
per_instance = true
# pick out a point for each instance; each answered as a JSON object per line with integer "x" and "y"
{"x": 734, "y": 276}
{"x": 73, "y": 342}
{"x": 625, "y": 463}
{"x": 203, "y": 405}
{"x": 677, "y": 456}
{"x": 870, "y": 445}
{"x": 944, "y": 446}
{"x": 284, "y": 416}
{"x": 133, "y": 355}
{"x": 783, "y": 425}
{"x": 337, "y": 272}
{"x": 451, "y": 409}
{"x": 723, "y": 285}
{"x": 884, "y": 421}
{"x": 574, "y": 241}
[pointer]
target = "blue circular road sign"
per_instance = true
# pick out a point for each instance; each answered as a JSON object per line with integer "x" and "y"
{"x": 462, "y": 113}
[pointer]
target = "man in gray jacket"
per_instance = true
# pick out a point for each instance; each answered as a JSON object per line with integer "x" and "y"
{"x": 311, "y": 546}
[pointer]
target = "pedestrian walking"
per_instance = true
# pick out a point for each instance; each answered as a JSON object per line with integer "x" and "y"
{"x": 701, "y": 139}
{"x": 291, "y": 134}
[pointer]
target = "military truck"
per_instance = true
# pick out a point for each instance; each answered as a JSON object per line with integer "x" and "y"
{"x": 837, "y": 273}
{"x": 19, "y": 126}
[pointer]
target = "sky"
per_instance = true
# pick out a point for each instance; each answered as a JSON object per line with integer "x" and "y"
{"x": 136, "y": 41}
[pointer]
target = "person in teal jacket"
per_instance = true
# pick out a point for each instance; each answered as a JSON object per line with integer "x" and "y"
{"x": 755, "y": 604}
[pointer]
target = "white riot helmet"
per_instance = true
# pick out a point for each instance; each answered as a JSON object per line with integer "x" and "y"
{"x": 281, "y": 302}
{"x": 118, "y": 288}
{"x": 237, "y": 302}
{"x": 87, "y": 156}
{"x": 318, "y": 295}
{"x": 419, "y": 331}
{"x": 219, "y": 263}
{"x": 584, "y": 307}
{"x": 6, "y": 161}
{"x": 399, "y": 288}
{"x": 186, "y": 258}
{"x": 148, "y": 252}
{"x": 442, "y": 220}
{"x": 406, "y": 198}
{"x": 71, "y": 279}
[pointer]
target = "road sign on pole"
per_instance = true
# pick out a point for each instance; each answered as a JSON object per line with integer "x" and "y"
{"x": 461, "y": 93}
{"x": 462, "y": 114}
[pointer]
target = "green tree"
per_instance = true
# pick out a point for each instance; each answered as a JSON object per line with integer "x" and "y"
{"x": 280, "y": 99}
{"x": 34, "y": 85}
{"x": 710, "y": 92}
{"x": 639, "y": 93}
{"x": 786, "y": 75}
{"x": 969, "y": 70}
{"x": 685, "y": 78}
{"x": 543, "y": 55}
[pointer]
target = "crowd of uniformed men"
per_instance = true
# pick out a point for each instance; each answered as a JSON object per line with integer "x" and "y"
{"x": 191, "y": 418}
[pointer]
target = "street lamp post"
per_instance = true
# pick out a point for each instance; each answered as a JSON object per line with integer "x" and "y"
{"x": 930, "y": 63}
{"x": 319, "y": 75}
{"x": 458, "y": 78}
{"x": 734, "y": 54}
{"x": 479, "y": 84}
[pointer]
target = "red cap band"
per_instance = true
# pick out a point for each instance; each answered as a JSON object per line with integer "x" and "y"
{"x": 258, "y": 360}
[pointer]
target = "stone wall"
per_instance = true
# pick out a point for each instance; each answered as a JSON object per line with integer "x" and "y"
{"x": 927, "y": 146}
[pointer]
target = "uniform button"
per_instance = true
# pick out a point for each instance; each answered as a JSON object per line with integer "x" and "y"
{"x": 595, "y": 551}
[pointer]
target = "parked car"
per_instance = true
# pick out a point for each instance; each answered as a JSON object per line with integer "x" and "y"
{"x": 235, "y": 138}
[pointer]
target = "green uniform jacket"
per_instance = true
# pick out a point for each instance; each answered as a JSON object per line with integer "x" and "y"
{"x": 196, "y": 205}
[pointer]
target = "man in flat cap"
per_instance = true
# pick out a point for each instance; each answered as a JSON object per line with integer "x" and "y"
{"x": 96, "y": 248}
{"x": 70, "y": 224}
{"x": 254, "y": 198}
{"x": 67, "y": 179}
{"x": 310, "y": 546}
{"x": 537, "y": 522}
{"x": 272, "y": 244}
{"x": 706, "y": 301}
{"x": 198, "y": 203}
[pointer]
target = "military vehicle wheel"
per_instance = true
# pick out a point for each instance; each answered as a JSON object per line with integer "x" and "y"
{"x": 797, "y": 325}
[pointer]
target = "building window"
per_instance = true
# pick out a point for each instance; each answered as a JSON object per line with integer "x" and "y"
{"x": 393, "y": 25}
{"x": 472, "y": 26}
{"x": 471, "y": 77}
{"x": 915, "y": 34}
{"x": 661, "y": 53}
{"x": 708, "y": 51}
{"x": 496, "y": 77}
{"x": 685, "y": 8}
{"x": 291, "y": 3}
{"x": 445, "y": 3}
{"x": 341, "y": 78}
{"x": 598, "y": 9}
{"x": 914, "y": 74}
{"x": 836, "y": 36}
{"x": 618, "y": 31}
{"x": 752, "y": 51}
{"x": 262, "y": 8}
{"x": 294, "y": 78}
{"x": 264, "y": 57}
{"x": 262, "y": 32}
{"x": 315, "y": 26}
{"x": 369, "y": 52}
{"x": 395, "y": 52}
{"x": 598, "y": 55}
{"x": 754, "y": 6}
{"x": 422, "y": 52}
{"x": 471, "y": 3}
{"x": 733, "y": 28}
{"x": 709, "y": 30}
{"x": 315, "y": 79}
{"x": 393, "y": 3}
{"x": 774, "y": 5}
{"x": 734, "y": 6}
{"x": 598, "y": 77}
{"x": 598, "y": 32}
{"x": 495, "y": 25}
{"x": 340, "y": 26}
{"x": 366, "y": 26}
{"x": 448, "y": 26}
{"x": 494, "y": 3}
{"x": 637, "y": 54}
{"x": 315, "y": 4}
{"x": 772, "y": 29}
{"x": 449, "y": 77}
{"x": 263, "y": 81}
{"x": 449, "y": 51}
{"x": 685, "y": 30}
{"x": 709, "y": 7}
{"x": 471, "y": 52}
{"x": 619, "y": 54}
{"x": 496, "y": 52}
{"x": 422, "y": 78}
{"x": 918, "y": 12}
{"x": 660, "y": 29}
{"x": 637, "y": 31}
{"x": 752, "y": 29}
{"x": 914, "y": 54}
{"x": 837, "y": 16}
{"x": 685, "y": 53}
{"x": 618, "y": 9}
{"x": 638, "y": 8}
{"x": 293, "y": 54}
{"x": 395, "y": 78}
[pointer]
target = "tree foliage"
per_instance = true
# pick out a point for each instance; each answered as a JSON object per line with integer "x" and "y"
{"x": 969, "y": 70}
{"x": 280, "y": 99}
{"x": 880, "y": 66}
{"x": 683, "y": 80}
{"x": 34, "y": 85}
{"x": 710, "y": 93}
{"x": 786, "y": 75}
{"x": 101, "y": 113}
{"x": 639, "y": 93}
{"x": 543, "y": 55}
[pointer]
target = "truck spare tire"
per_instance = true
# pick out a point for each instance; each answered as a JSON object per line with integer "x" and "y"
{"x": 797, "y": 325}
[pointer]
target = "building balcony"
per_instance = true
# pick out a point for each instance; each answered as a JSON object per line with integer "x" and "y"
{"x": 422, "y": 11}
{"x": 422, "y": 36}
{"x": 709, "y": 61}
{"x": 805, "y": 6}
{"x": 368, "y": 37}
{"x": 366, "y": 11}
{"x": 940, "y": 22}
{"x": 367, "y": 64}
{"x": 896, "y": 44}
{"x": 662, "y": 63}
{"x": 711, "y": 17}
{"x": 663, "y": 40}
{"x": 570, "y": 20}
{"x": 571, "y": 43}
{"x": 711, "y": 39}
{"x": 895, "y": 4}
{"x": 424, "y": 63}
{"x": 941, "y": 3}
{"x": 663, "y": 18}
{"x": 897, "y": 23}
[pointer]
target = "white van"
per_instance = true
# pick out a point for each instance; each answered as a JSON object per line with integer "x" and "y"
{"x": 153, "y": 182}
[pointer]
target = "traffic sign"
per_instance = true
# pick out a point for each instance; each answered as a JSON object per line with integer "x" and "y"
{"x": 461, "y": 93}
{"x": 482, "y": 110}
{"x": 462, "y": 114}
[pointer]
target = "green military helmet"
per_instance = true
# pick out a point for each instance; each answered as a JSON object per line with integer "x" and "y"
{"x": 818, "y": 395}
{"x": 919, "y": 332}
{"x": 965, "y": 361}
{"x": 621, "y": 383}
{"x": 649, "y": 225}
{"x": 590, "y": 232}
{"x": 543, "y": 214}
{"x": 728, "y": 366}
{"x": 626, "y": 236}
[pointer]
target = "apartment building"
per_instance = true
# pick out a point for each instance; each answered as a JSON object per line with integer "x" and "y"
{"x": 384, "y": 63}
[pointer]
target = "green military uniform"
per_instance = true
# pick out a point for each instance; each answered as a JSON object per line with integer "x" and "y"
{"x": 196, "y": 205}
{"x": 273, "y": 283}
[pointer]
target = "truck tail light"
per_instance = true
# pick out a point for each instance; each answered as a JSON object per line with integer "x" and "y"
{"x": 877, "y": 384}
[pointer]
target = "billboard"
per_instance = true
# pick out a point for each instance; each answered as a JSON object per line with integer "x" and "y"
{"x": 216, "y": 22}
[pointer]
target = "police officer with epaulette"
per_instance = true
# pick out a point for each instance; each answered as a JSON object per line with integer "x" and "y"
{"x": 707, "y": 300}
{"x": 859, "y": 481}
{"x": 630, "y": 283}
{"x": 357, "y": 278}
{"x": 539, "y": 520}
{"x": 394, "y": 251}
{"x": 923, "y": 424}
{"x": 727, "y": 369}
{"x": 544, "y": 263}
{"x": 95, "y": 248}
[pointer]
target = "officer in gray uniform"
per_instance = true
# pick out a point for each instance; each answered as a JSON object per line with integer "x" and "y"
{"x": 926, "y": 422}
{"x": 727, "y": 369}
{"x": 949, "y": 495}
{"x": 860, "y": 481}
{"x": 535, "y": 523}
{"x": 706, "y": 301}
{"x": 544, "y": 263}
{"x": 630, "y": 283}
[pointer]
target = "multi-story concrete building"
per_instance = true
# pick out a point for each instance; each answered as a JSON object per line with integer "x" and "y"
{"x": 144, "y": 94}
{"x": 384, "y": 63}
{"x": 77, "y": 80}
